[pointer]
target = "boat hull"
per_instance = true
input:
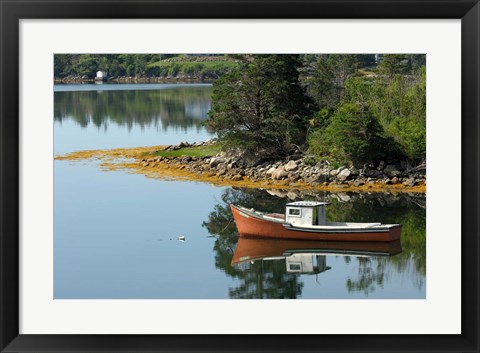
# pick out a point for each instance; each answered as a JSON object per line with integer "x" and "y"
{"x": 248, "y": 224}
{"x": 254, "y": 248}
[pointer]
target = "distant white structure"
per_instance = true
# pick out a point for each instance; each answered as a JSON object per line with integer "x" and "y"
{"x": 101, "y": 76}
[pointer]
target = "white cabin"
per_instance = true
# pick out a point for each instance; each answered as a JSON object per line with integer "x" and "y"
{"x": 306, "y": 263}
{"x": 101, "y": 75}
{"x": 306, "y": 213}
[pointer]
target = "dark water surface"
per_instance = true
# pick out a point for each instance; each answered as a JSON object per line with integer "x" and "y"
{"x": 116, "y": 234}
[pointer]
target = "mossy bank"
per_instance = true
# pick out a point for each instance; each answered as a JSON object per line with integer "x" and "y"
{"x": 204, "y": 162}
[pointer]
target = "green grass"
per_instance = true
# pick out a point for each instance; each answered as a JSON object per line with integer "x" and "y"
{"x": 200, "y": 151}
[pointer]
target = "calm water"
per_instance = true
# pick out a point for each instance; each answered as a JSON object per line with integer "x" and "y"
{"x": 116, "y": 234}
{"x": 128, "y": 115}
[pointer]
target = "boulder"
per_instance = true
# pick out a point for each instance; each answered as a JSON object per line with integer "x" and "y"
{"x": 221, "y": 172}
{"x": 278, "y": 193}
{"x": 391, "y": 171}
{"x": 312, "y": 180}
{"x": 290, "y": 166}
{"x": 355, "y": 172}
{"x": 216, "y": 161}
{"x": 333, "y": 172}
{"x": 358, "y": 183}
{"x": 293, "y": 176}
{"x": 292, "y": 195}
{"x": 343, "y": 197}
{"x": 344, "y": 174}
{"x": 409, "y": 182}
{"x": 270, "y": 172}
{"x": 279, "y": 173}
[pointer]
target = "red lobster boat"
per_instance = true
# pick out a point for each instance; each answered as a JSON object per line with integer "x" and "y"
{"x": 306, "y": 220}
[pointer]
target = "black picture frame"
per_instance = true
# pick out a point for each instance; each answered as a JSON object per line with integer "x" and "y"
{"x": 12, "y": 11}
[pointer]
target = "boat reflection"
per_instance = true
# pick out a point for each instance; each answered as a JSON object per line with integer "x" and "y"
{"x": 306, "y": 257}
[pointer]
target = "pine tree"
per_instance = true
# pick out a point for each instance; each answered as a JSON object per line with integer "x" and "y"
{"x": 261, "y": 107}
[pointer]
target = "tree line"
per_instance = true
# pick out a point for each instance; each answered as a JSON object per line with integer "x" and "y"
{"x": 143, "y": 65}
{"x": 345, "y": 109}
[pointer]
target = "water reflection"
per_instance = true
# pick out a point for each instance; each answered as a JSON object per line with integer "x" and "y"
{"x": 306, "y": 257}
{"x": 252, "y": 249}
{"x": 238, "y": 257}
{"x": 179, "y": 107}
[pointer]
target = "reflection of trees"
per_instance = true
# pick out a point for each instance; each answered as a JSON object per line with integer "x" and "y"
{"x": 370, "y": 274}
{"x": 262, "y": 279}
{"x": 269, "y": 279}
{"x": 181, "y": 107}
{"x": 404, "y": 209}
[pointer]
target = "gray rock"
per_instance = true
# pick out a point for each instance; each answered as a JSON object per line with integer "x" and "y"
{"x": 333, "y": 172}
{"x": 381, "y": 165}
{"x": 409, "y": 182}
{"x": 232, "y": 165}
{"x": 355, "y": 172}
{"x": 343, "y": 197}
{"x": 293, "y": 177}
{"x": 216, "y": 161}
{"x": 391, "y": 171}
{"x": 344, "y": 174}
{"x": 278, "y": 193}
{"x": 312, "y": 180}
{"x": 290, "y": 166}
{"x": 221, "y": 172}
{"x": 270, "y": 172}
{"x": 358, "y": 183}
{"x": 292, "y": 195}
{"x": 279, "y": 173}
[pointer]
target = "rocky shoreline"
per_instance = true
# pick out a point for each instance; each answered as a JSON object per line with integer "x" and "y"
{"x": 294, "y": 171}
{"x": 134, "y": 79}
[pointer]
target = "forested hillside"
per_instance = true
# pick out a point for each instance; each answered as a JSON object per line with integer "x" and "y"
{"x": 142, "y": 65}
{"x": 344, "y": 109}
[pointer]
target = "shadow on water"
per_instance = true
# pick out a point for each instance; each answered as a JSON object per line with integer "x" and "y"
{"x": 181, "y": 107}
{"x": 275, "y": 269}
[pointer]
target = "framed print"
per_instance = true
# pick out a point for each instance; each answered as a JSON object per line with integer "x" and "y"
{"x": 238, "y": 176}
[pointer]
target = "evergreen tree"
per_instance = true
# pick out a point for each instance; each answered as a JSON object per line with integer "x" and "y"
{"x": 261, "y": 107}
{"x": 392, "y": 64}
{"x": 326, "y": 75}
{"x": 354, "y": 135}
